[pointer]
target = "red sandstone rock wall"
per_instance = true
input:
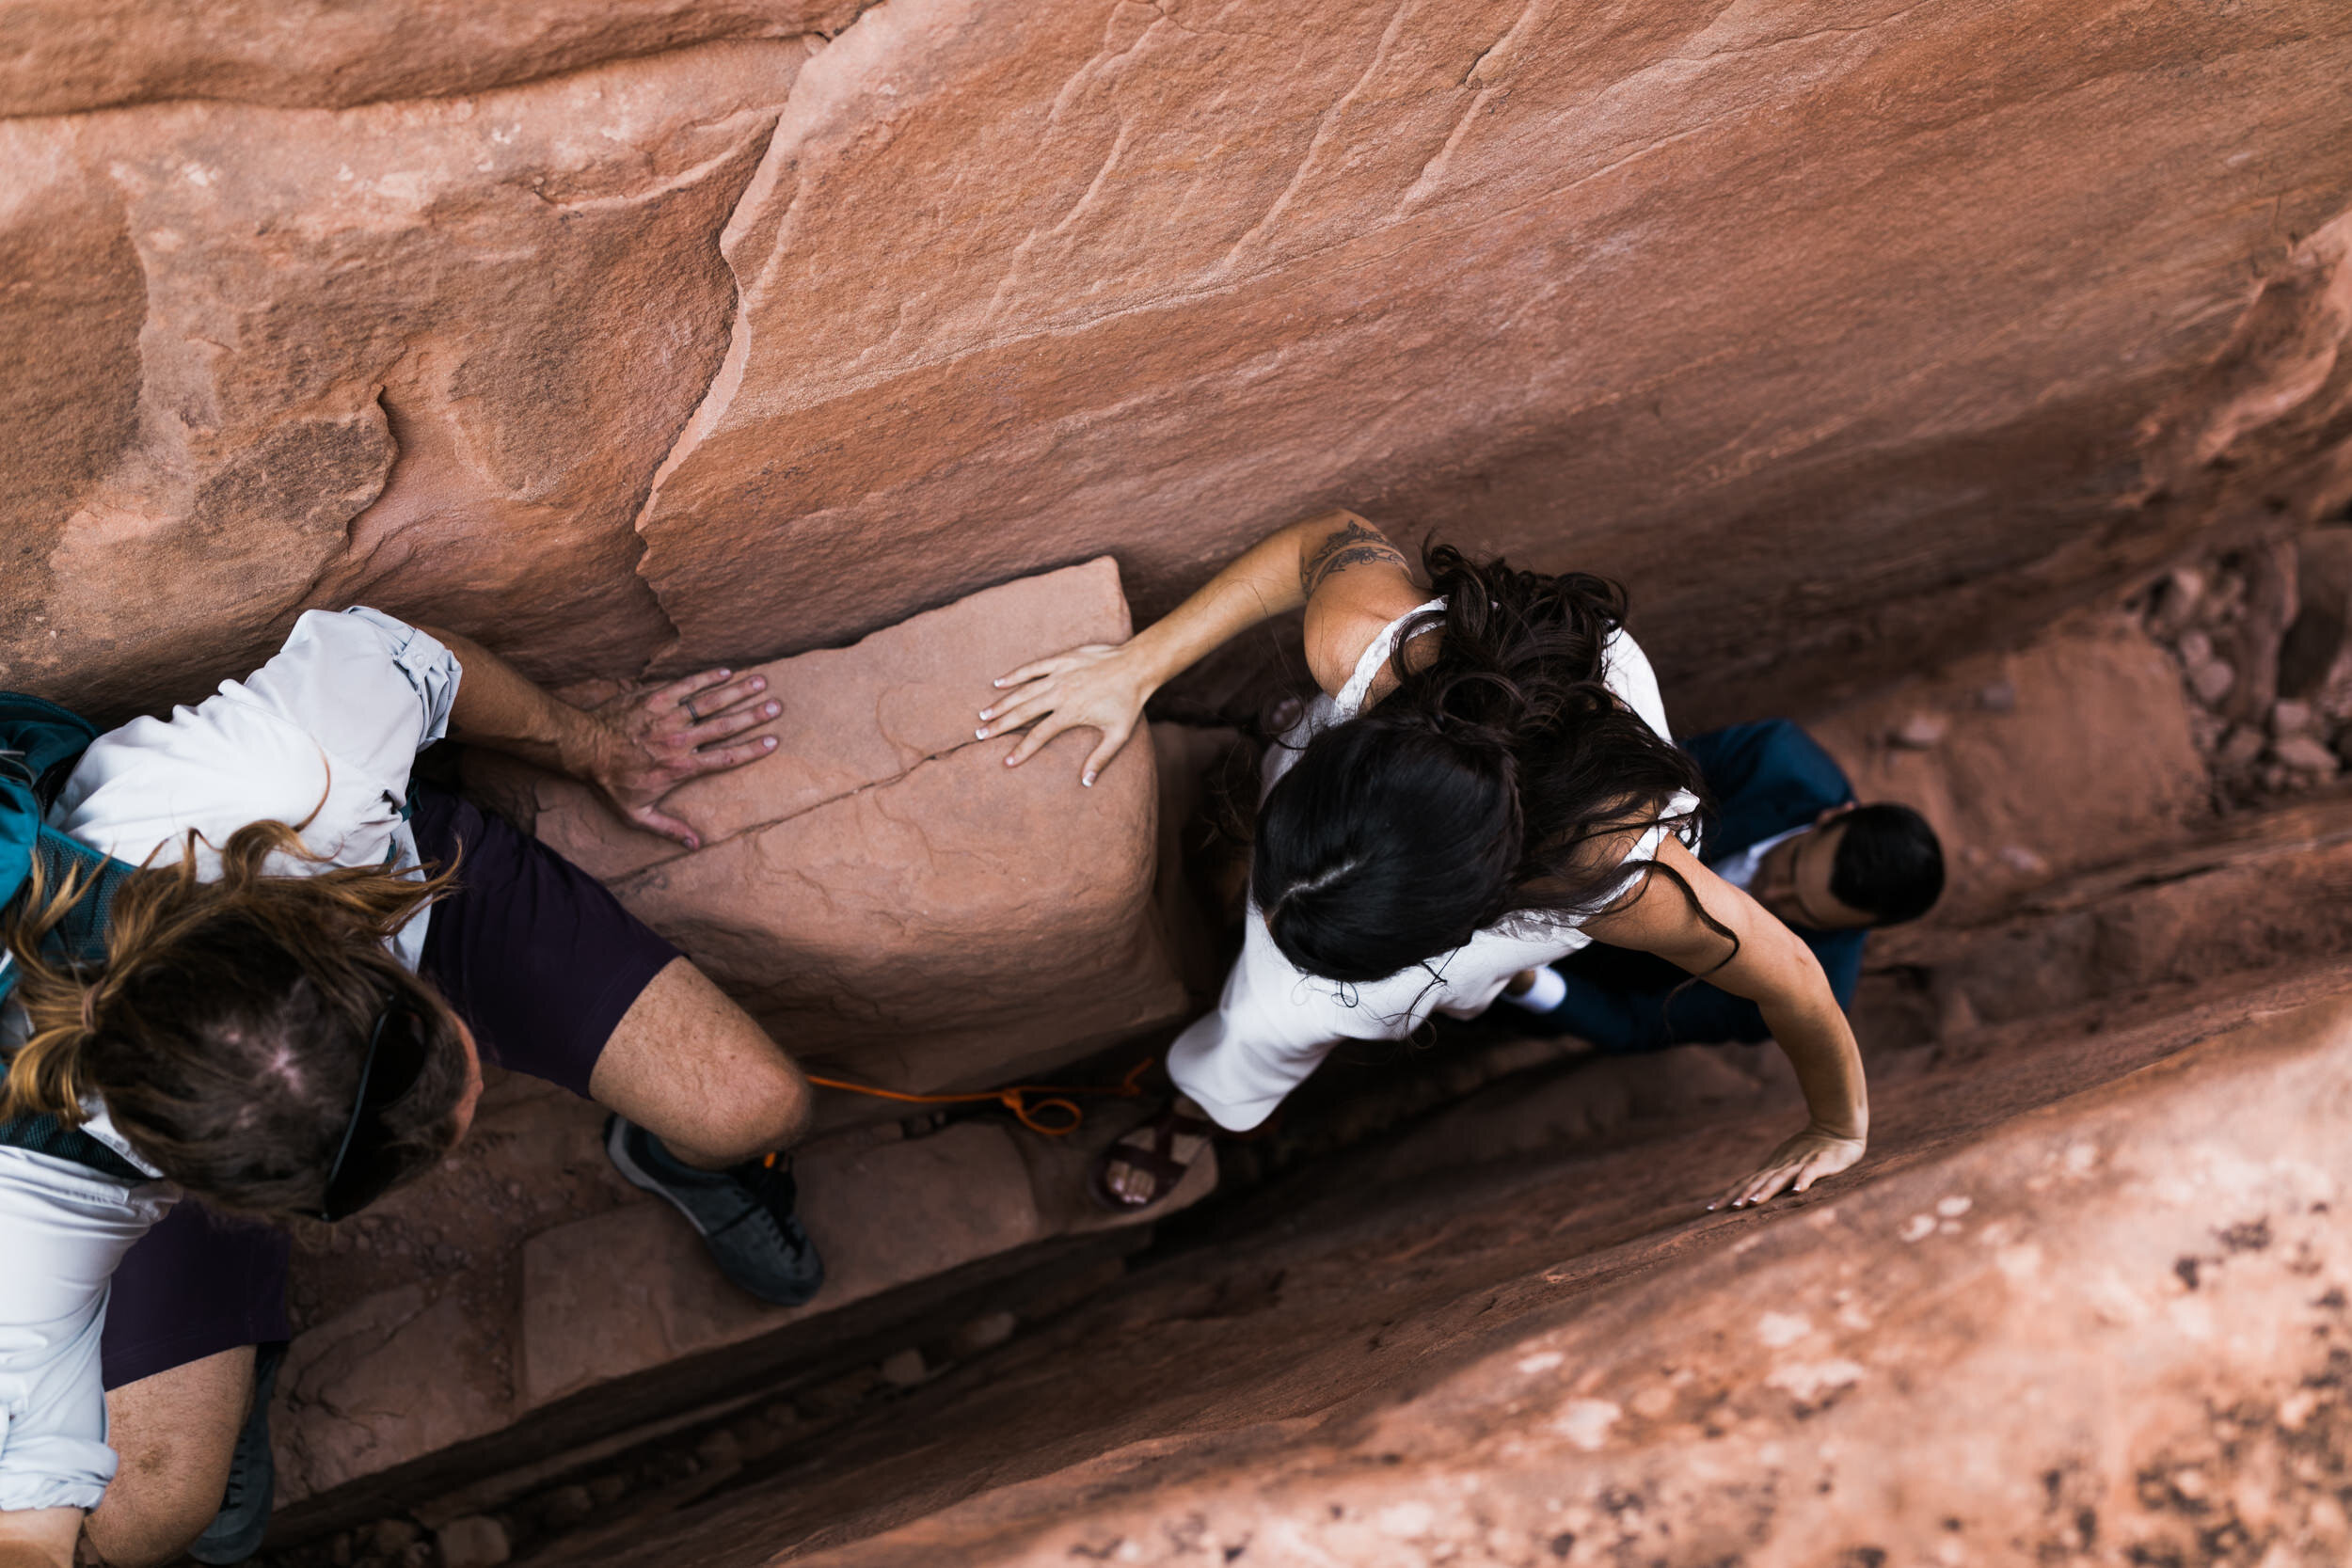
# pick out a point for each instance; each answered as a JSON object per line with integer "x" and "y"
{"x": 631, "y": 336}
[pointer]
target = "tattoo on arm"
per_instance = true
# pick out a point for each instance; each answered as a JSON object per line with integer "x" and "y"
{"x": 1353, "y": 544}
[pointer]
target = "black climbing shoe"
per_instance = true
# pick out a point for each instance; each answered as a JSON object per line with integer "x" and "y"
{"x": 235, "y": 1532}
{"x": 744, "y": 1213}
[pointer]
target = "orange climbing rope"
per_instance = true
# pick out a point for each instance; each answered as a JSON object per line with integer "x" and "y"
{"x": 1016, "y": 1099}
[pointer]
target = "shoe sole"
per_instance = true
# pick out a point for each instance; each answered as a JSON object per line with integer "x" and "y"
{"x": 247, "y": 1542}
{"x": 617, "y": 1150}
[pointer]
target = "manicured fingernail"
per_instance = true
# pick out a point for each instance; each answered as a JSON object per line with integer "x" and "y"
{"x": 996, "y": 683}
{"x": 757, "y": 683}
{"x": 979, "y": 734}
{"x": 724, "y": 674}
{"x": 1009, "y": 761}
{"x": 987, "y": 714}
{"x": 769, "y": 741}
{"x": 773, "y": 708}
{"x": 1088, "y": 780}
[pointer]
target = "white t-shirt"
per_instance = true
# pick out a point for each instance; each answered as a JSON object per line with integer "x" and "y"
{"x": 327, "y": 730}
{"x": 1276, "y": 1023}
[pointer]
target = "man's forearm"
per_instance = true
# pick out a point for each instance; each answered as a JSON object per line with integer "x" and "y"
{"x": 499, "y": 707}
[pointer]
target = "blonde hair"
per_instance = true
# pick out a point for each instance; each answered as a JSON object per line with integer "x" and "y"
{"x": 225, "y": 1028}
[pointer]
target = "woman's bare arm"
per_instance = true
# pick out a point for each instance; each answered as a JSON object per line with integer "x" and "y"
{"x": 635, "y": 749}
{"x": 1342, "y": 568}
{"x": 1774, "y": 970}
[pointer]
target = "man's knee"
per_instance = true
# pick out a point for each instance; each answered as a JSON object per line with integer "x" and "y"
{"x": 692, "y": 1066}
{"x": 764, "y": 1111}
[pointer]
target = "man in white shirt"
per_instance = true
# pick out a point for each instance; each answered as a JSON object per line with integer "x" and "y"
{"x": 129, "y": 1325}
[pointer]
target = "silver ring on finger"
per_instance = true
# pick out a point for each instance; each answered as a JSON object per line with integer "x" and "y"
{"x": 692, "y": 716}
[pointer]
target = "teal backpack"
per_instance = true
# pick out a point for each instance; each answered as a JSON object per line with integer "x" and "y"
{"x": 39, "y": 743}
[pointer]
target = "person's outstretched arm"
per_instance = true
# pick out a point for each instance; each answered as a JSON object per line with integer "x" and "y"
{"x": 1350, "y": 577}
{"x": 635, "y": 749}
{"x": 1775, "y": 970}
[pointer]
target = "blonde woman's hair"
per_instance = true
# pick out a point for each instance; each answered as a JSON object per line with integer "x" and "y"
{"x": 225, "y": 1030}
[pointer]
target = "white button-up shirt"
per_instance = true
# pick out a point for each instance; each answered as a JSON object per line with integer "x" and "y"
{"x": 323, "y": 736}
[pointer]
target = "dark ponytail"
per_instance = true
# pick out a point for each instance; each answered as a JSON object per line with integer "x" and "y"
{"x": 1496, "y": 779}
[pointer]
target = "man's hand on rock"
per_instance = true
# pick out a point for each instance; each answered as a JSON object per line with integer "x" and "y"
{"x": 654, "y": 741}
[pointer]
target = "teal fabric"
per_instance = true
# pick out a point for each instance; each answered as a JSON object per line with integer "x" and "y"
{"x": 39, "y": 743}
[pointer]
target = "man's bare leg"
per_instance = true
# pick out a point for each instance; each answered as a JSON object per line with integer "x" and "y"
{"x": 691, "y": 1068}
{"x": 176, "y": 1434}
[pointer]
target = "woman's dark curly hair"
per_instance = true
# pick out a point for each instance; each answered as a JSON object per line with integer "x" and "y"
{"x": 1493, "y": 781}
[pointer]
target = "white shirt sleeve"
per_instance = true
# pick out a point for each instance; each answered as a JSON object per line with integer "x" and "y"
{"x": 325, "y": 736}
{"x": 63, "y": 1231}
{"x": 372, "y": 691}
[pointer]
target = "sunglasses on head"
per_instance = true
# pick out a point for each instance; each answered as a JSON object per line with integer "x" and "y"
{"x": 364, "y": 1167}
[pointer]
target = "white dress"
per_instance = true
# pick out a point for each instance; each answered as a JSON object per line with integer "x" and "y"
{"x": 1276, "y": 1023}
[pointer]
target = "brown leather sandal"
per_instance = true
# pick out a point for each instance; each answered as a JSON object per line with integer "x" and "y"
{"x": 1155, "y": 1159}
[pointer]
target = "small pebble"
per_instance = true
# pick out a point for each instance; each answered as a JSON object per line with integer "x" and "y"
{"x": 985, "y": 1332}
{"x": 1920, "y": 732}
{"x": 2239, "y": 747}
{"x": 565, "y": 1507}
{"x": 473, "y": 1542}
{"x": 2305, "y": 755}
{"x": 2175, "y": 598}
{"x": 392, "y": 1537}
{"x": 2023, "y": 861}
{"x": 2212, "y": 681}
{"x": 2289, "y": 717}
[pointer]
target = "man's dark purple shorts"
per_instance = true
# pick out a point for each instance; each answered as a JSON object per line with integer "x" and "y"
{"x": 541, "y": 962}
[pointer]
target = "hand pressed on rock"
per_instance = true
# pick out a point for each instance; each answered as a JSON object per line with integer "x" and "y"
{"x": 656, "y": 741}
{"x": 1093, "y": 686}
{"x": 1794, "y": 1166}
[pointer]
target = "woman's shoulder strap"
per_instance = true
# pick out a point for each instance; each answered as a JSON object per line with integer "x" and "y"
{"x": 1350, "y": 698}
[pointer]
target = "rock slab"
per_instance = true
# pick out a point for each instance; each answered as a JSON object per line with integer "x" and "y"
{"x": 882, "y": 892}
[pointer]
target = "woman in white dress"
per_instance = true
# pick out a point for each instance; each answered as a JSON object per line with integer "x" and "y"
{"x": 1485, "y": 784}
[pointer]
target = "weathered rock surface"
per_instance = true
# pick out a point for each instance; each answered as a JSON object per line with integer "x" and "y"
{"x": 880, "y": 891}
{"x": 1837, "y": 328}
{"x": 2071, "y": 752}
{"x": 2098, "y": 1332}
{"x": 258, "y": 358}
{"x": 60, "y": 56}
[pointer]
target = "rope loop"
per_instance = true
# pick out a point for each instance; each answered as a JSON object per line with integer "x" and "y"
{"x": 1055, "y": 1115}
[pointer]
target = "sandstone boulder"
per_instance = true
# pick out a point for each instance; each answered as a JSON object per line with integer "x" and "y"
{"x": 882, "y": 892}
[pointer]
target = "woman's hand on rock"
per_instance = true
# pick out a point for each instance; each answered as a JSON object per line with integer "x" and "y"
{"x": 654, "y": 741}
{"x": 1794, "y": 1166}
{"x": 1093, "y": 687}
